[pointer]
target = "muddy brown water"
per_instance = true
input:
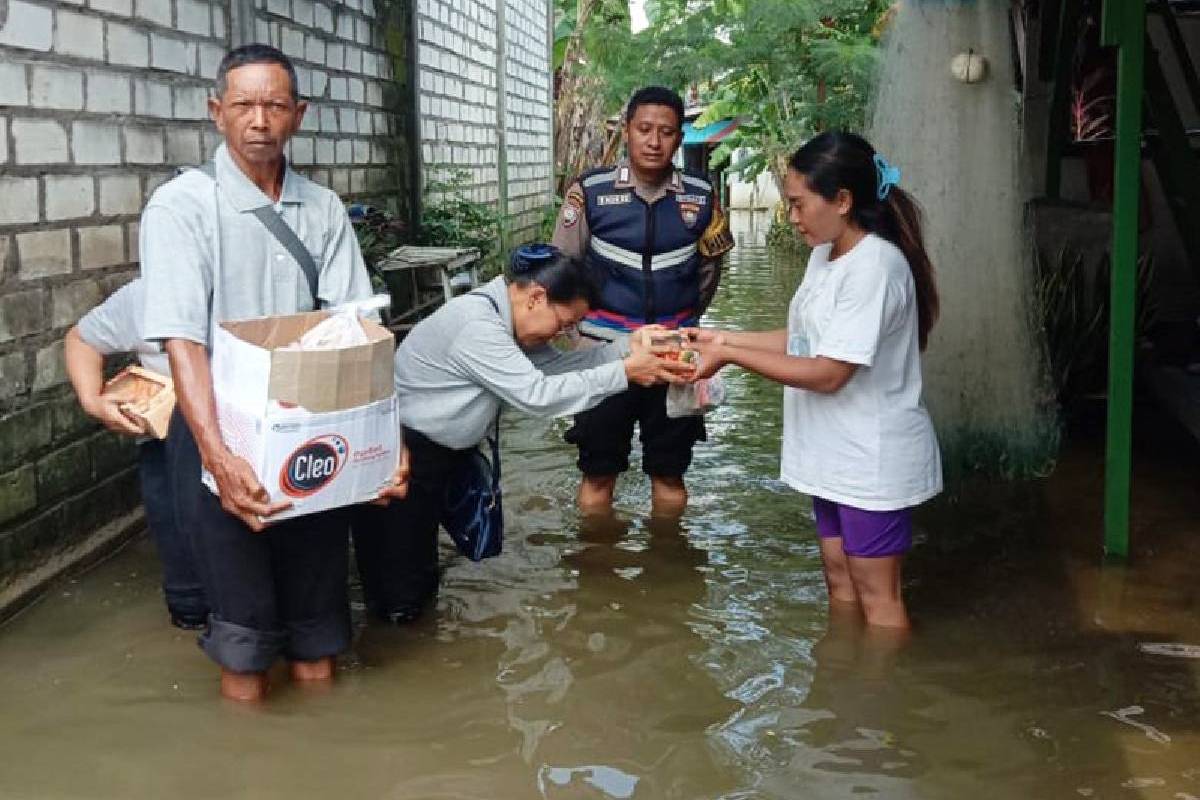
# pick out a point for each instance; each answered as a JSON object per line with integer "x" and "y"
{"x": 645, "y": 658}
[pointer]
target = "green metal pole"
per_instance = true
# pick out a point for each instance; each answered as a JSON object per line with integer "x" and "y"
{"x": 1124, "y": 27}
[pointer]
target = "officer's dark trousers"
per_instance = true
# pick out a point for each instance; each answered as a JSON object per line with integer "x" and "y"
{"x": 396, "y": 546}
{"x": 181, "y": 579}
{"x": 281, "y": 592}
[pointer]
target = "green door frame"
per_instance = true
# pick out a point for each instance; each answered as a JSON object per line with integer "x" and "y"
{"x": 1124, "y": 27}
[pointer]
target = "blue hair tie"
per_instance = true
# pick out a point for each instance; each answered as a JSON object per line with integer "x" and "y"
{"x": 528, "y": 257}
{"x": 889, "y": 176}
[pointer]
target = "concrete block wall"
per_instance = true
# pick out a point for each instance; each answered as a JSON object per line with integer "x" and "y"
{"x": 101, "y": 100}
{"x": 483, "y": 87}
{"x": 528, "y": 113}
{"x": 458, "y": 93}
{"x": 344, "y": 70}
{"x": 98, "y": 101}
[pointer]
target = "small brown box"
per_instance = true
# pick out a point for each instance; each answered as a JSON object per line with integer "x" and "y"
{"x": 147, "y": 397}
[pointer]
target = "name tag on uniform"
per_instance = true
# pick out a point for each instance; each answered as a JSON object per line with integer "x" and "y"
{"x": 695, "y": 199}
{"x": 614, "y": 199}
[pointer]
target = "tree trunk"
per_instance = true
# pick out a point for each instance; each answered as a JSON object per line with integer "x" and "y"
{"x": 581, "y": 139}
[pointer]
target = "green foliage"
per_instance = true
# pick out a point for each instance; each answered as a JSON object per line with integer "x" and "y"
{"x": 786, "y": 68}
{"x": 379, "y": 233}
{"x": 612, "y": 53}
{"x": 782, "y": 239}
{"x": 450, "y": 219}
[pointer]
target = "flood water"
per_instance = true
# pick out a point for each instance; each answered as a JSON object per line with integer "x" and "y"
{"x": 645, "y": 658}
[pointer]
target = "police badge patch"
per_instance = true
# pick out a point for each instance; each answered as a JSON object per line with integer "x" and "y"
{"x": 689, "y": 212}
{"x": 572, "y": 206}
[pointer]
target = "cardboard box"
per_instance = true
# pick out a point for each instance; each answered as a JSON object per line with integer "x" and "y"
{"x": 147, "y": 397}
{"x": 320, "y": 428}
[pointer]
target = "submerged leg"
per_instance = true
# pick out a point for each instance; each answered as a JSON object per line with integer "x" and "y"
{"x": 319, "y": 670}
{"x": 245, "y": 687}
{"x": 877, "y": 584}
{"x": 596, "y": 493}
{"x": 837, "y": 571}
{"x": 669, "y": 496}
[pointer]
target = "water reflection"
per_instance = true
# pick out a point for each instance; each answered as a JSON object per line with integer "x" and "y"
{"x": 635, "y": 657}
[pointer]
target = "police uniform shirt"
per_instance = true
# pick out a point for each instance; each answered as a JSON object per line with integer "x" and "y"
{"x": 571, "y": 232}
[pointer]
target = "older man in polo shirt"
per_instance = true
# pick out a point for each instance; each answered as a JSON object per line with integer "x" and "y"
{"x": 275, "y": 590}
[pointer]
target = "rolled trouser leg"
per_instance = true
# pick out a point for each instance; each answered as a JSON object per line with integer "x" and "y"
{"x": 310, "y": 560}
{"x": 244, "y": 633}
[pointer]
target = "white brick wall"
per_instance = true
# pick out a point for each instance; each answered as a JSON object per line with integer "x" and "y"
{"x": 127, "y": 45}
{"x": 44, "y": 253}
{"x": 29, "y": 27}
{"x": 56, "y": 88}
{"x": 18, "y": 200}
{"x": 95, "y": 143}
{"x": 39, "y": 141}
{"x": 79, "y": 35}
{"x": 529, "y": 116}
{"x": 101, "y": 99}
{"x": 459, "y": 93}
{"x": 86, "y": 129}
{"x": 69, "y": 196}
{"x": 108, "y": 93}
{"x": 332, "y": 43}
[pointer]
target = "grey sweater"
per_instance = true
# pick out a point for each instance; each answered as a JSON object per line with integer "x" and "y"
{"x": 455, "y": 368}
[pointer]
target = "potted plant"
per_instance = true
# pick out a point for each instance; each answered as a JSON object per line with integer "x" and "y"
{"x": 1092, "y": 110}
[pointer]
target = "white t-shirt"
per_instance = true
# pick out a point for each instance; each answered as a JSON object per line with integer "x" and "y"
{"x": 870, "y": 444}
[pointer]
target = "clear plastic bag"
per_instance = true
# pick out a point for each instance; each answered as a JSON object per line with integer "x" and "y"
{"x": 342, "y": 329}
{"x": 695, "y": 399}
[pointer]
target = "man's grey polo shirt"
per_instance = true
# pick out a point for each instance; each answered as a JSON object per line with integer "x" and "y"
{"x": 207, "y": 259}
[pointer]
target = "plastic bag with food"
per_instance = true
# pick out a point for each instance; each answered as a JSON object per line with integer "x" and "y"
{"x": 342, "y": 329}
{"x": 694, "y": 399}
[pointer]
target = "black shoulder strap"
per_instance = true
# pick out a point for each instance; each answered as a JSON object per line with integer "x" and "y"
{"x": 288, "y": 238}
{"x": 489, "y": 298}
{"x": 284, "y": 234}
{"x": 494, "y": 439}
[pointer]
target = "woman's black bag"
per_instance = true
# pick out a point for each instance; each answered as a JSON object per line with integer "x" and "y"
{"x": 471, "y": 509}
{"x": 472, "y": 512}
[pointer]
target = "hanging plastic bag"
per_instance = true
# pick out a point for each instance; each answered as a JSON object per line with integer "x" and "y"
{"x": 695, "y": 399}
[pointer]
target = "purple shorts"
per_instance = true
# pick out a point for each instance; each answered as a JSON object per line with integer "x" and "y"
{"x": 865, "y": 534}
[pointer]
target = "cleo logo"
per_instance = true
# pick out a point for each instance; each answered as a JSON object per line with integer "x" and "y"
{"x": 312, "y": 465}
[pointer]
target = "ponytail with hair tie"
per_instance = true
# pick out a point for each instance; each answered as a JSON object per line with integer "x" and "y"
{"x": 528, "y": 257}
{"x": 833, "y": 161}
{"x": 889, "y": 176}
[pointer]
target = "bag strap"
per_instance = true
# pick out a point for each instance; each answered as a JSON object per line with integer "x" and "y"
{"x": 284, "y": 234}
{"x": 494, "y": 440}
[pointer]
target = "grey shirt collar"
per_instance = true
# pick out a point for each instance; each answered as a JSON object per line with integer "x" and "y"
{"x": 241, "y": 192}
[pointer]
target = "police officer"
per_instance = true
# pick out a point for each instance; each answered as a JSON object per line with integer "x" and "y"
{"x": 655, "y": 238}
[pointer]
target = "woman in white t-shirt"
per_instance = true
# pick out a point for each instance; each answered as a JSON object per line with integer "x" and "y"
{"x": 856, "y": 435}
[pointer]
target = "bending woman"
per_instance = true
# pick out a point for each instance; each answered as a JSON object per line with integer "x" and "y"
{"x": 856, "y": 435}
{"x": 453, "y": 372}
